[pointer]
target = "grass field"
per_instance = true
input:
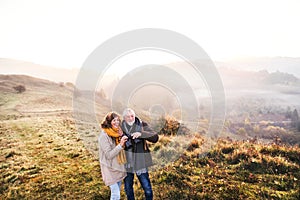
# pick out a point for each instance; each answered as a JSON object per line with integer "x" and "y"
{"x": 44, "y": 155}
{"x": 43, "y": 158}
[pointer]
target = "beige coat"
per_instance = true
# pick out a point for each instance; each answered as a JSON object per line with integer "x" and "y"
{"x": 112, "y": 172}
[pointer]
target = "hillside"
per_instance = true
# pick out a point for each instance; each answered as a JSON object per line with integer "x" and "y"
{"x": 43, "y": 98}
{"x": 231, "y": 170}
{"x": 40, "y": 95}
{"x": 48, "y": 153}
{"x": 257, "y": 107}
{"x": 43, "y": 158}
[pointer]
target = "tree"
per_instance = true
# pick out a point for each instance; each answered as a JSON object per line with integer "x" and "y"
{"x": 298, "y": 126}
{"x": 288, "y": 113}
{"x": 295, "y": 118}
{"x": 242, "y": 131}
{"x": 20, "y": 88}
{"x": 102, "y": 94}
{"x": 61, "y": 84}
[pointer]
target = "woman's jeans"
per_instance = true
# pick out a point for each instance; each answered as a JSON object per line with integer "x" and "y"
{"x": 145, "y": 182}
{"x": 115, "y": 191}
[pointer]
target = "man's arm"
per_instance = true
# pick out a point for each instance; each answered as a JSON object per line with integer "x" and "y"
{"x": 148, "y": 133}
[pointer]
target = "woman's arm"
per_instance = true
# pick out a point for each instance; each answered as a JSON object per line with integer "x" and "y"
{"x": 105, "y": 146}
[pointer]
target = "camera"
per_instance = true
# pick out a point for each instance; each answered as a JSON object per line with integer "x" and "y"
{"x": 129, "y": 136}
{"x": 129, "y": 142}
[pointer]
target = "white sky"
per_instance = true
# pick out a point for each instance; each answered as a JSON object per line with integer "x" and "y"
{"x": 63, "y": 33}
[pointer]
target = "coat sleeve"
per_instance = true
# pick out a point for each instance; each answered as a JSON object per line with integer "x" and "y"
{"x": 149, "y": 134}
{"x": 106, "y": 147}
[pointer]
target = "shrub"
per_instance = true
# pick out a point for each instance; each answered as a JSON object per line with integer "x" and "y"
{"x": 20, "y": 88}
{"x": 172, "y": 127}
{"x": 227, "y": 150}
{"x": 193, "y": 145}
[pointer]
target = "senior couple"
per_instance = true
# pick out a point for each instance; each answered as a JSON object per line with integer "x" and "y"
{"x": 124, "y": 152}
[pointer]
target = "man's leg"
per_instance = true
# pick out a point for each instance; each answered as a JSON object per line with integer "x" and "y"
{"x": 146, "y": 184}
{"x": 128, "y": 185}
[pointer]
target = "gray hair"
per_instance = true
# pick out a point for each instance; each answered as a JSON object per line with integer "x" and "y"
{"x": 128, "y": 110}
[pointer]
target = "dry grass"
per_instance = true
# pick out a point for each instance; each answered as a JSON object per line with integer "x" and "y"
{"x": 43, "y": 158}
{"x": 232, "y": 170}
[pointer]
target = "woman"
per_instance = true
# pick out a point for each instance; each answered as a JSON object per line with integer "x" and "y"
{"x": 111, "y": 154}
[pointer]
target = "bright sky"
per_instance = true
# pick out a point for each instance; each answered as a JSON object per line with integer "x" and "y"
{"x": 63, "y": 33}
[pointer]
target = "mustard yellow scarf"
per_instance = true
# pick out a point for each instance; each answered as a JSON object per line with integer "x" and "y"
{"x": 113, "y": 132}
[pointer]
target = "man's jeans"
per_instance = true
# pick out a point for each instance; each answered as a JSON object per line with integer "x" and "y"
{"x": 145, "y": 182}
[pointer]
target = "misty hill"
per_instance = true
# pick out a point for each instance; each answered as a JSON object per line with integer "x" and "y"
{"x": 7, "y": 82}
{"x": 237, "y": 78}
{"x": 271, "y": 64}
{"x": 280, "y": 78}
{"x": 262, "y": 87}
{"x": 236, "y": 74}
{"x": 11, "y": 66}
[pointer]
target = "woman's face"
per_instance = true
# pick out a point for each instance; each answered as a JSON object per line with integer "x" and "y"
{"x": 115, "y": 123}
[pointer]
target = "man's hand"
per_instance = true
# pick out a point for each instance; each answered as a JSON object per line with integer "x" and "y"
{"x": 136, "y": 135}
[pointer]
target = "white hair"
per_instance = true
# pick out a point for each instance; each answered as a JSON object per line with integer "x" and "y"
{"x": 128, "y": 110}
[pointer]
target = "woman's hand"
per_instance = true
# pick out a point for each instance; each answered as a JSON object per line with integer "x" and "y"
{"x": 123, "y": 140}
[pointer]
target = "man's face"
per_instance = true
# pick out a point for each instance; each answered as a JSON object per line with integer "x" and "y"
{"x": 129, "y": 118}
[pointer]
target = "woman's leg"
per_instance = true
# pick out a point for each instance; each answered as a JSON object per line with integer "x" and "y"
{"x": 115, "y": 191}
{"x": 119, "y": 184}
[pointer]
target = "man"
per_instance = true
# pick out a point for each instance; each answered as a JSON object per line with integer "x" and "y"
{"x": 137, "y": 153}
